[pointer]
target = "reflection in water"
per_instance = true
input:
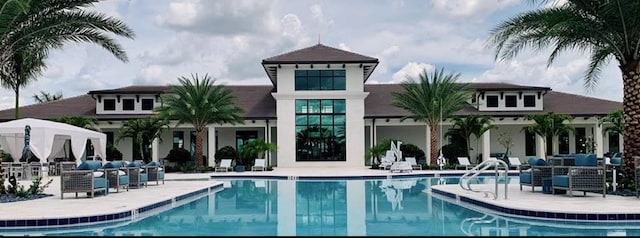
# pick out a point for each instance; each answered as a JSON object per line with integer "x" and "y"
{"x": 398, "y": 207}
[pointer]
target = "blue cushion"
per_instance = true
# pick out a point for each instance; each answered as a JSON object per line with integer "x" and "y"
{"x": 153, "y": 163}
{"x": 89, "y": 165}
{"x": 586, "y": 160}
{"x": 542, "y": 162}
{"x": 112, "y": 164}
{"x": 135, "y": 164}
{"x": 525, "y": 177}
{"x": 533, "y": 161}
{"x": 160, "y": 175}
{"x": 99, "y": 182}
{"x": 123, "y": 180}
{"x": 616, "y": 160}
{"x": 144, "y": 178}
{"x": 560, "y": 180}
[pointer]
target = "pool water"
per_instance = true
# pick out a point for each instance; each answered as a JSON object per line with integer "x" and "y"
{"x": 396, "y": 207}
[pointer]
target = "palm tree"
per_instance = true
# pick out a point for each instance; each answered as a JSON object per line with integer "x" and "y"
{"x": 29, "y": 29}
{"x": 143, "y": 131}
{"x": 614, "y": 122}
{"x": 199, "y": 102}
{"x": 432, "y": 98}
{"x": 605, "y": 29}
{"x": 550, "y": 124}
{"x": 47, "y": 97}
{"x": 475, "y": 125}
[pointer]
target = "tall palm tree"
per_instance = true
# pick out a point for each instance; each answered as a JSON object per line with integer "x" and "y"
{"x": 200, "y": 102}
{"x": 475, "y": 125}
{"x": 605, "y": 29}
{"x": 143, "y": 131}
{"x": 432, "y": 98}
{"x": 550, "y": 124}
{"x": 29, "y": 29}
{"x": 47, "y": 97}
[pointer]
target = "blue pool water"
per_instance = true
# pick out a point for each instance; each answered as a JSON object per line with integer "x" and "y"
{"x": 397, "y": 207}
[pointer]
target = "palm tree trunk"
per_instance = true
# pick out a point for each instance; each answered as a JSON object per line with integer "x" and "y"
{"x": 631, "y": 102}
{"x": 199, "y": 135}
{"x": 434, "y": 144}
{"x": 17, "y": 111}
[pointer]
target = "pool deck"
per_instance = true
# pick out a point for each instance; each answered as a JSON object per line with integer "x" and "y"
{"x": 126, "y": 205}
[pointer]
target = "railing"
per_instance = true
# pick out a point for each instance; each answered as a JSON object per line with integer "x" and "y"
{"x": 467, "y": 224}
{"x": 465, "y": 180}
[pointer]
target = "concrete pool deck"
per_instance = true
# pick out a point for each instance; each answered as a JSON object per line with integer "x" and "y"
{"x": 179, "y": 184}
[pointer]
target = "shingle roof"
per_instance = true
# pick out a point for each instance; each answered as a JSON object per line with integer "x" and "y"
{"x": 258, "y": 103}
{"x": 319, "y": 54}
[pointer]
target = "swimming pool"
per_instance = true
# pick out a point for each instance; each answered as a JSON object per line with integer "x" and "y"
{"x": 394, "y": 207}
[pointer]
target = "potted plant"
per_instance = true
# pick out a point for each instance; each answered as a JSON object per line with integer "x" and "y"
{"x": 252, "y": 150}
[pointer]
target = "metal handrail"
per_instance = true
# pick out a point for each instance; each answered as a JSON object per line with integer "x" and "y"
{"x": 484, "y": 166}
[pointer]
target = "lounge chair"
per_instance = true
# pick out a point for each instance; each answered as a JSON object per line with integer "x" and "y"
{"x": 260, "y": 164}
{"x": 85, "y": 178}
{"x": 413, "y": 163}
{"x": 155, "y": 172}
{"x": 138, "y": 175}
{"x": 387, "y": 160}
{"x": 585, "y": 176}
{"x": 532, "y": 173}
{"x": 225, "y": 165}
{"x": 514, "y": 162}
{"x": 464, "y": 162}
{"x": 401, "y": 166}
{"x": 116, "y": 175}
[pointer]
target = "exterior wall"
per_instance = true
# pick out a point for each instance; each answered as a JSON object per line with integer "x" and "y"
{"x": 501, "y": 101}
{"x": 285, "y": 111}
{"x": 409, "y": 134}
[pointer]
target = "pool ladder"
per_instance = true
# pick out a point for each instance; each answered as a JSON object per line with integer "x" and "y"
{"x": 501, "y": 170}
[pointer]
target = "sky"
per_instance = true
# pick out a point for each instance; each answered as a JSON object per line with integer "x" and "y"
{"x": 228, "y": 39}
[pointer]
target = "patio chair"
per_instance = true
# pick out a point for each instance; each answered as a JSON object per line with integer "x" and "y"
{"x": 514, "y": 162}
{"x": 85, "y": 178}
{"x": 464, "y": 162}
{"x": 225, "y": 165}
{"x": 585, "y": 176}
{"x": 260, "y": 164}
{"x": 155, "y": 172}
{"x": 532, "y": 173}
{"x": 413, "y": 163}
{"x": 116, "y": 175}
{"x": 138, "y": 176}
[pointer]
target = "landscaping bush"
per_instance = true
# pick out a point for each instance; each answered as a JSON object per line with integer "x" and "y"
{"x": 226, "y": 152}
{"x": 180, "y": 156}
{"x": 411, "y": 150}
{"x": 113, "y": 153}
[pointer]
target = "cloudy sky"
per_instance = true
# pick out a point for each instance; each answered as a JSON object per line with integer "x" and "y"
{"x": 227, "y": 39}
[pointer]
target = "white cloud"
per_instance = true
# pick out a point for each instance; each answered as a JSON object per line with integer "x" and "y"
{"x": 411, "y": 71}
{"x": 470, "y": 8}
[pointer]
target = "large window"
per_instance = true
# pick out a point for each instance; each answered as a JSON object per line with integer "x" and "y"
{"x": 529, "y": 144}
{"x": 614, "y": 142}
{"x": 510, "y": 101}
{"x": 320, "y": 130}
{"x": 529, "y": 100}
{"x": 147, "y": 104}
{"x": 128, "y": 104}
{"x": 492, "y": 101}
{"x": 320, "y": 80}
{"x": 109, "y": 105}
{"x": 178, "y": 139}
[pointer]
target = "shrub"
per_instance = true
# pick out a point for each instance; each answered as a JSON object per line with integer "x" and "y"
{"x": 411, "y": 150}
{"x": 6, "y": 157}
{"x": 113, "y": 153}
{"x": 179, "y": 156}
{"x": 226, "y": 152}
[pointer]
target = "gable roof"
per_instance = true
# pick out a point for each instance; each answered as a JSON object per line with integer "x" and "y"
{"x": 319, "y": 54}
{"x": 258, "y": 103}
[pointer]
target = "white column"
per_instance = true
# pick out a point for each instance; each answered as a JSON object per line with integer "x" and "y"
{"x": 286, "y": 207}
{"x": 356, "y": 208}
{"x": 556, "y": 145}
{"x": 599, "y": 140}
{"x": 486, "y": 145}
{"x": 155, "y": 150}
{"x": 540, "y": 147}
{"x": 267, "y": 137}
{"x": 621, "y": 142}
{"x": 211, "y": 149}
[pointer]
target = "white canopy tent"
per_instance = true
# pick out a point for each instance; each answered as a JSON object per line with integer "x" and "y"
{"x": 47, "y": 138}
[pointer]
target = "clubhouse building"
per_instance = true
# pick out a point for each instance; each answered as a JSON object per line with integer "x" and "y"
{"x": 319, "y": 111}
